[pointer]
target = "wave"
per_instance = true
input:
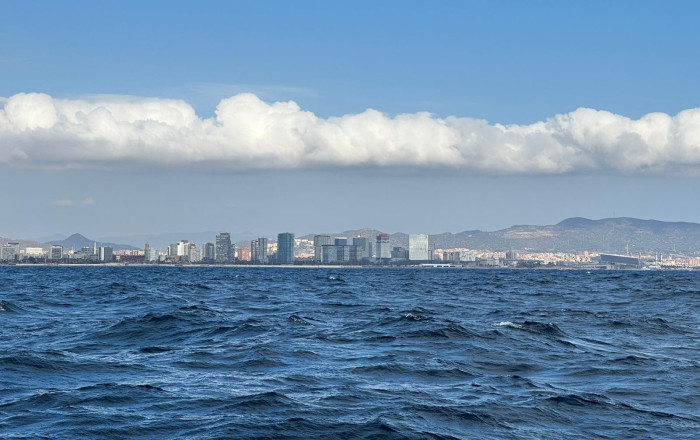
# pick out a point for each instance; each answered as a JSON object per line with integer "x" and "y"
{"x": 535, "y": 327}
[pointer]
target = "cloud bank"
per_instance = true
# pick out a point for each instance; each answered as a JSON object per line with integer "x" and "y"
{"x": 37, "y": 130}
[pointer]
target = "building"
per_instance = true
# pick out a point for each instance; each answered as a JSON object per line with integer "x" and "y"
{"x": 254, "y": 251}
{"x": 262, "y": 251}
{"x": 183, "y": 248}
{"x": 619, "y": 260}
{"x": 224, "y": 249}
{"x": 258, "y": 251}
{"x": 454, "y": 256}
{"x": 56, "y": 252}
{"x": 399, "y": 254}
{"x": 329, "y": 253}
{"x": 285, "y": 248}
{"x": 8, "y": 252}
{"x": 34, "y": 252}
{"x": 195, "y": 254}
{"x": 418, "y": 247}
{"x": 172, "y": 250}
{"x": 319, "y": 242}
{"x": 208, "y": 252}
{"x": 150, "y": 255}
{"x": 383, "y": 249}
{"x": 364, "y": 248}
{"x": 340, "y": 241}
{"x": 339, "y": 253}
{"x": 244, "y": 254}
{"x": 106, "y": 254}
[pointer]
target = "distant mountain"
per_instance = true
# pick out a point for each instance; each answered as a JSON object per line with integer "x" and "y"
{"x": 162, "y": 240}
{"x": 575, "y": 234}
{"x": 77, "y": 241}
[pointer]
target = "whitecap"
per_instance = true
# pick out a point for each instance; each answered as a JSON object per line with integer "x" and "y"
{"x": 508, "y": 324}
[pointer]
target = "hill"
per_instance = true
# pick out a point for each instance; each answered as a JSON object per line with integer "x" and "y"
{"x": 78, "y": 241}
{"x": 612, "y": 235}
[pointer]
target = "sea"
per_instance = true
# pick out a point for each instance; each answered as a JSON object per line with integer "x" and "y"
{"x": 318, "y": 353}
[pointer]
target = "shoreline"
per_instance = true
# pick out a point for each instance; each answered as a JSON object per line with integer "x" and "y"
{"x": 329, "y": 266}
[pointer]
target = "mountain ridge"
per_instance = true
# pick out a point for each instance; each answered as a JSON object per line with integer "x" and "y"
{"x": 78, "y": 241}
{"x": 574, "y": 234}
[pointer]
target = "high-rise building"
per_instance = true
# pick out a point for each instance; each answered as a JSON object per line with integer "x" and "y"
{"x": 383, "y": 249}
{"x": 254, "y": 251}
{"x": 8, "y": 252}
{"x": 285, "y": 248}
{"x": 208, "y": 252}
{"x": 338, "y": 253}
{"x": 244, "y": 254}
{"x": 224, "y": 250}
{"x": 262, "y": 251}
{"x": 195, "y": 254}
{"x": 418, "y": 247}
{"x": 56, "y": 252}
{"x": 319, "y": 242}
{"x": 183, "y": 248}
{"x": 106, "y": 254}
{"x": 363, "y": 248}
{"x": 150, "y": 255}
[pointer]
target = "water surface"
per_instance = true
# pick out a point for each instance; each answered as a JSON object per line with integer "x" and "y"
{"x": 165, "y": 352}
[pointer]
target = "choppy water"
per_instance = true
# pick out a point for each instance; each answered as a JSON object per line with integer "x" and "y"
{"x": 355, "y": 353}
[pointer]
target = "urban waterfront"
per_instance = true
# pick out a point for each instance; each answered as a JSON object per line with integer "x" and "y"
{"x": 228, "y": 352}
{"x": 376, "y": 250}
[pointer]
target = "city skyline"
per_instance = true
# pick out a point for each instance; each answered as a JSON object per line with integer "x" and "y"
{"x": 420, "y": 116}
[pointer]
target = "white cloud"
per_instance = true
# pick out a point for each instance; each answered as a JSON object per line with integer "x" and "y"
{"x": 37, "y": 130}
{"x": 63, "y": 203}
{"x": 69, "y": 203}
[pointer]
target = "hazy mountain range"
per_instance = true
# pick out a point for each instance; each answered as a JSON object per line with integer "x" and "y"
{"x": 612, "y": 235}
{"x": 77, "y": 241}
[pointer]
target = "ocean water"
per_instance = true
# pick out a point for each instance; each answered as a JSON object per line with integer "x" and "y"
{"x": 270, "y": 353}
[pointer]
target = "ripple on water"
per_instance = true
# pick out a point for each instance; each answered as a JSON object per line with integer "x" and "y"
{"x": 165, "y": 352}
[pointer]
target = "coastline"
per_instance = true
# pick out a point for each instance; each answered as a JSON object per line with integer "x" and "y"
{"x": 330, "y": 266}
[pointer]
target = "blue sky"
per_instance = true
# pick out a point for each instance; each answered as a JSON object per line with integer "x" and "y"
{"x": 508, "y": 62}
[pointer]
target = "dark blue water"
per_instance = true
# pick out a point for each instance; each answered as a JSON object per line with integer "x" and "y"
{"x": 346, "y": 354}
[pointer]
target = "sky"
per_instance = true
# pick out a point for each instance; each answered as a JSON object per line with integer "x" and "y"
{"x": 130, "y": 118}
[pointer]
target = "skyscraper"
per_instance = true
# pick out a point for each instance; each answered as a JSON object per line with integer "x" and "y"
{"x": 363, "y": 248}
{"x": 383, "y": 249}
{"x": 254, "y": 251}
{"x": 195, "y": 255}
{"x": 7, "y": 253}
{"x": 285, "y": 248}
{"x": 262, "y": 250}
{"x": 418, "y": 247}
{"x": 106, "y": 254}
{"x": 183, "y": 248}
{"x": 224, "y": 250}
{"x": 208, "y": 252}
{"x": 319, "y": 242}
